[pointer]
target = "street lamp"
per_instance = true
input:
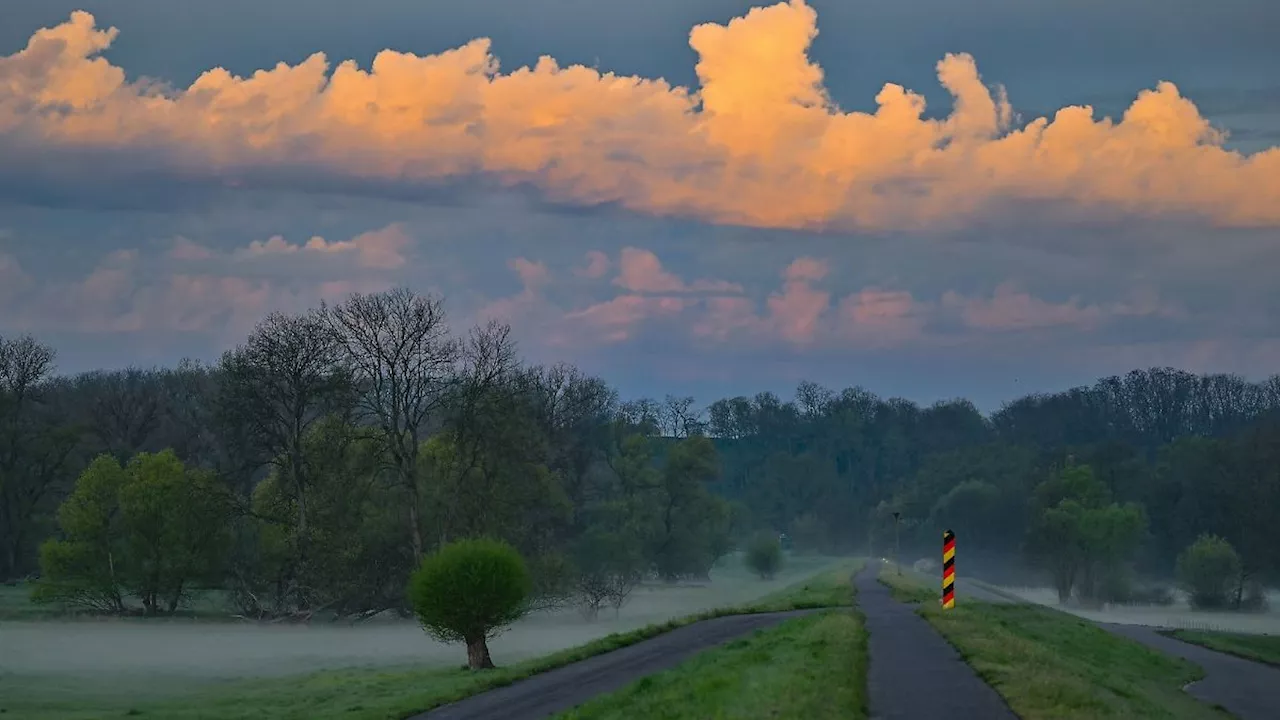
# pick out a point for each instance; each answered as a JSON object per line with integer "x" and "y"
{"x": 897, "y": 542}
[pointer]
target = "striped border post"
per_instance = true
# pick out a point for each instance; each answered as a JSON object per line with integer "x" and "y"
{"x": 948, "y": 569}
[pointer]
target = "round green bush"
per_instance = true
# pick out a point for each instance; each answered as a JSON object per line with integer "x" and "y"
{"x": 1209, "y": 569}
{"x": 469, "y": 591}
{"x": 764, "y": 554}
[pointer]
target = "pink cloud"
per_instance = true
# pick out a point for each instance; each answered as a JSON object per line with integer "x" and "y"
{"x": 376, "y": 249}
{"x": 185, "y": 249}
{"x": 796, "y": 311}
{"x": 532, "y": 274}
{"x": 597, "y": 266}
{"x": 641, "y": 271}
{"x": 876, "y": 317}
{"x": 618, "y": 319}
{"x": 1012, "y": 309}
{"x": 124, "y": 294}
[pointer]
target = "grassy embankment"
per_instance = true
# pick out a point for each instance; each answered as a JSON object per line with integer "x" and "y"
{"x": 811, "y": 667}
{"x": 382, "y": 694}
{"x": 1049, "y": 664}
{"x": 1259, "y": 648}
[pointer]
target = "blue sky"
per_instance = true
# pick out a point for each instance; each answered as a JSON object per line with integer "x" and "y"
{"x": 137, "y": 232}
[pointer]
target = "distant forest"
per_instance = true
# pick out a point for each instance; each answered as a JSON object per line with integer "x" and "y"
{"x": 310, "y": 467}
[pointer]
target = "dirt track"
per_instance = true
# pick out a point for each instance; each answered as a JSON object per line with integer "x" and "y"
{"x": 555, "y": 691}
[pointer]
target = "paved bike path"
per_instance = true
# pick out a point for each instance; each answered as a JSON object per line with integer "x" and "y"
{"x": 1247, "y": 689}
{"x": 913, "y": 673}
{"x": 555, "y": 691}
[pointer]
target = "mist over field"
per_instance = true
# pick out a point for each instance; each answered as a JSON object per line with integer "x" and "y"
{"x": 178, "y": 652}
{"x": 1179, "y": 615}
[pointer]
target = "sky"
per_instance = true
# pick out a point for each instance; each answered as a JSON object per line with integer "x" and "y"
{"x": 699, "y": 197}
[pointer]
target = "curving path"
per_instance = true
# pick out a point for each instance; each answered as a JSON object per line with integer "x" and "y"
{"x": 1247, "y": 689}
{"x": 555, "y": 691}
{"x": 912, "y": 671}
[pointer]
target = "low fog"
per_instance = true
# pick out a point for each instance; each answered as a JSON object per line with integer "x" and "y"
{"x": 208, "y": 650}
{"x": 1179, "y": 615}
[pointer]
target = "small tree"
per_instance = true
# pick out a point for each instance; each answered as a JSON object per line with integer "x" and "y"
{"x": 469, "y": 591}
{"x": 1209, "y": 570}
{"x": 764, "y": 555}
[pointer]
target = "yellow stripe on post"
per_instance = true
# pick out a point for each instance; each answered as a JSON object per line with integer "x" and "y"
{"x": 948, "y": 570}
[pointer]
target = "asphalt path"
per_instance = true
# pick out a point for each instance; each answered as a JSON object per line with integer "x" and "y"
{"x": 913, "y": 673}
{"x": 1247, "y": 689}
{"x": 555, "y": 691}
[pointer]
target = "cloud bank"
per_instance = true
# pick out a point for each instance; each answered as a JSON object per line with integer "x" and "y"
{"x": 759, "y": 142}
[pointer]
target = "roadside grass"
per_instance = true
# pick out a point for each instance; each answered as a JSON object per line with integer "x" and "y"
{"x": 1050, "y": 664}
{"x": 367, "y": 694}
{"x": 1259, "y": 648}
{"x": 813, "y": 667}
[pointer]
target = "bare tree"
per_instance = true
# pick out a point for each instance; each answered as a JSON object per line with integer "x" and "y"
{"x": 275, "y": 386}
{"x": 404, "y": 361}
{"x": 31, "y": 454}
{"x": 122, "y": 408}
{"x": 679, "y": 418}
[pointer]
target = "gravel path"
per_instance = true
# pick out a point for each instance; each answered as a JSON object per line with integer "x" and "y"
{"x": 1249, "y": 690}
{"x": 555, "y": 691}
{"x": 913, "y": 672}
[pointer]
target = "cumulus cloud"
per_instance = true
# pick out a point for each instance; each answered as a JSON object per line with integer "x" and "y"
{"x": 597, "y": 266}
{"x": 640, "y": 271}
{"x": 758, "y": 142}
{"x": 376, "y": 249}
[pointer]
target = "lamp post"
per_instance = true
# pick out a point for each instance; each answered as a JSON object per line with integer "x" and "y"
{"x": 897, "y": 544}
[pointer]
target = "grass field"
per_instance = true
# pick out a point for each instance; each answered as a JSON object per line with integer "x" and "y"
{"x": 358, "y": 694}
{"x": 810, "y": 668}
{"x": 1049, "y": 664}
{"x": 1260, "y": 648}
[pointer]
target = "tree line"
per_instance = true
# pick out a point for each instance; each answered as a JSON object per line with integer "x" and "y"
{"x": 311, "y": 467}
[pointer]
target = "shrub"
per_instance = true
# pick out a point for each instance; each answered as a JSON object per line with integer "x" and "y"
{"x": 764, "y": 555}
{"x": 468, "y": 592}
{"x": 1209, "y": 570}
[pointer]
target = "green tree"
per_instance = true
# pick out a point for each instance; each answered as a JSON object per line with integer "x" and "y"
{"x": 1084, "y": 540}
{"x": 469, "y": 591}
{"x": 689, "y": 518}
{"x": 175, "y": 522}
{"x": 764, "y": 554}
{"x": 86, "y": 566}
{"x": 1209, "y": 570}
{"x": 152, "y": 529}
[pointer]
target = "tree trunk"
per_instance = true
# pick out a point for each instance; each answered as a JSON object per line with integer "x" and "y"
{"x": 175, "y": 599}
{"x": 415, "y": 528}
{"x": 478, "y": 654}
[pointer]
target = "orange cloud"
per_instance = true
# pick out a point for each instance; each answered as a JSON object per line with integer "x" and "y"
{"x": 759, "y": 142}
{"x": 376, "y": 249}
